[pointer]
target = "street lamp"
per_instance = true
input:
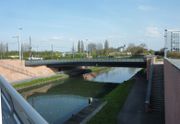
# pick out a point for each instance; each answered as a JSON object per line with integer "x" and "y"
{"x": 20, "y": 50}
{"x": 165, "y": 46}
{"x": 17, "y": 37}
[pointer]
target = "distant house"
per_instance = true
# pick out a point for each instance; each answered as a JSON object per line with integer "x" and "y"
{"x": 64, "y": 54}
{"x": 121, "y": 48}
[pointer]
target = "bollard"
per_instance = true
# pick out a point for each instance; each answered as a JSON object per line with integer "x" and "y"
{"x": 90, "y": 100}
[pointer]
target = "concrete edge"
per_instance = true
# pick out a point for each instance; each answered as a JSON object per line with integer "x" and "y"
{"x": 93, "y": 113}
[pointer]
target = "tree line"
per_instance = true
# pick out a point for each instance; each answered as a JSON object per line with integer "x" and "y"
{"x": 82, "y": 50}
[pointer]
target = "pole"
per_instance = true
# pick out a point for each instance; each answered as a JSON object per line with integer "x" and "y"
{"x": 51, "y": 51}
{"x": 17, "y": 37}
{"x": 30, "y": 47}
{"x": 73, "y": 50}
{"x": 37, "y": 51}
{"x": 1, "y": 50}
{"x": 20, "y": 52}
{"x": 165, "y": 46}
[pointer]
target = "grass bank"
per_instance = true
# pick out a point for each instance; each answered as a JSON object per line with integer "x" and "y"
{"x": 115, "y": 100}
{"x": 81, "y": 87}
{"x": 99, "y": 69}
{"x": 39, "y": 81}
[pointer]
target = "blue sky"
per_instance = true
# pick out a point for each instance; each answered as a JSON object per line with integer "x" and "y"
{"x": 62, "y": 22}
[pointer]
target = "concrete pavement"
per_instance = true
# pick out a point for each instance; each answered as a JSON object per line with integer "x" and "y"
{"x": 133, "y": 111}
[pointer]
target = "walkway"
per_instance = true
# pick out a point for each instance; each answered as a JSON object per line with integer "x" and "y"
{"x": 133, "y": 111}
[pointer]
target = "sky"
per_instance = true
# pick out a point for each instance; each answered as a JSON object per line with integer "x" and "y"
{"x": 64, "y": 22}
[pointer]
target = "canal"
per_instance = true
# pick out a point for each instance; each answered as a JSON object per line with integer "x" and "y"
{"x": 59, "y": 100}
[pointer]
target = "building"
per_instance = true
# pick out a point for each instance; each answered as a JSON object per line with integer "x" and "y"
{"x": 172, "y": 40}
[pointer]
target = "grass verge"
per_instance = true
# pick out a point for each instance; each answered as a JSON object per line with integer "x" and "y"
{"x": 115, "y": 100}
{"x": 39, "y": 81}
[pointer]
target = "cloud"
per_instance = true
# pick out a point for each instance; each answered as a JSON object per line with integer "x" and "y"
{"x": 145, "y": 8}
{"x": 152, "y": 31}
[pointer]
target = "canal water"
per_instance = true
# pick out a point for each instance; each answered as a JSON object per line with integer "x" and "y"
{"x": 116, "y": 75}
{"x": 58, "y": 101}
{"x": 58, "y": 108}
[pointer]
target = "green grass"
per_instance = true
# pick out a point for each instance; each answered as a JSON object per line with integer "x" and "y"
{"x": 115, "y": 100}
{"x": 99, "y": 69}
{"x": 81, "y": 87}
{"x": 39, "y": 81}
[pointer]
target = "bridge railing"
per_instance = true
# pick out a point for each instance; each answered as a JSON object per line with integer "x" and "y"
{"x": 44, "y": 62}
{"x": 20, "y": 109}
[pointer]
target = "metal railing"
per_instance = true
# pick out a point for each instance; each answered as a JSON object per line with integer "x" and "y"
{"x": 0, "y": 109}
{"x": 45, "y": 62}
{"x": 22, "y": 110}
{"x": 149, "y": 88}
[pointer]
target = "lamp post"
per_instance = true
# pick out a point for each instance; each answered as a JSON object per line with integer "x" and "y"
{"x": 20, "y": 45}
{"x": 17, "y": 37}
{"x": 165, "y": 46}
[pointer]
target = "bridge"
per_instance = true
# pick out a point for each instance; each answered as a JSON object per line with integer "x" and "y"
{"x": 108, "y": 62}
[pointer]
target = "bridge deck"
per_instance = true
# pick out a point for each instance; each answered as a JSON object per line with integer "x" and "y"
{"x": 89, "y": 62}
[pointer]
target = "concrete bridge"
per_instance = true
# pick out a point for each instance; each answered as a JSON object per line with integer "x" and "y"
{"x": 109, "y": 62}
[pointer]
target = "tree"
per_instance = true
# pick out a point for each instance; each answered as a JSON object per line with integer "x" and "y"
{"x": 106, "y": 47}
{"x": 137, "y": 50}
{"x": 4, "y": 50}
{"x": 73, "y": 50}
{"x": 79, "y": 46}
{"x": 82, "y": 46}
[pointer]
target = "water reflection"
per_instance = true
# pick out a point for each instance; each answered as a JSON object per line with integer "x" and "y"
{"x": 58, "y": 108}
{"x": 116, "y": 75}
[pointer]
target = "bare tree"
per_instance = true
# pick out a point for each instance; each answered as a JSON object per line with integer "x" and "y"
{"x": 79, "y": 46}
{"x": 106, "y": 47}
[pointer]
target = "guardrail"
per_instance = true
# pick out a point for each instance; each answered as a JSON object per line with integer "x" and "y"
{"x": 45, "y": 62}
{"x": 149, "y": 88}
{"x": 22, "y": 110}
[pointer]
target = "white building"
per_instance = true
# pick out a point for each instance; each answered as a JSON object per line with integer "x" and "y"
{"x": 172, "y": 40}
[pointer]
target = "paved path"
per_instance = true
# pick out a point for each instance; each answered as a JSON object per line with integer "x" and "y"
{"x": 133, "y": 111}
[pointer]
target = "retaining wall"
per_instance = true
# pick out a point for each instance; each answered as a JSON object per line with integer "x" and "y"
{"x": 172, "y": 92}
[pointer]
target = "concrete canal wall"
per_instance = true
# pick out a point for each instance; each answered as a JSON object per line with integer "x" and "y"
{"x": 172, "y": 91}
{"x": 15, "y": 70}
